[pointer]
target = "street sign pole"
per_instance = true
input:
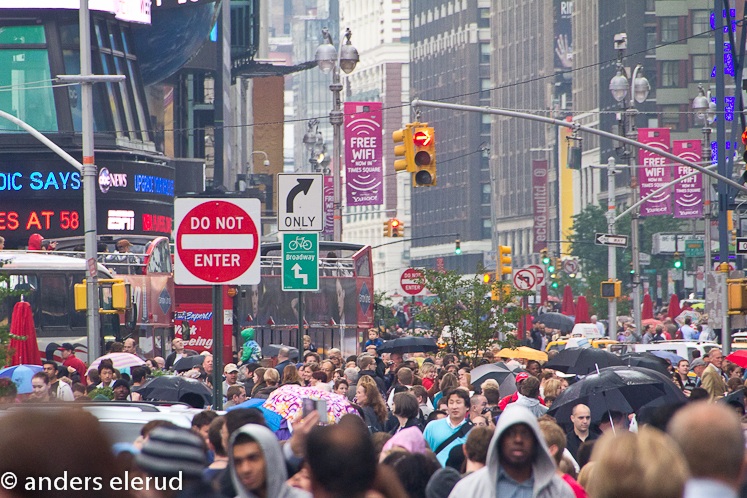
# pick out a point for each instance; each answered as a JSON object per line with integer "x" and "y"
{"x": 412, "y": 315}
{"x": 217, "y": 347}
{"x": 300, "y": 327}
{"x": 611, "y": 250}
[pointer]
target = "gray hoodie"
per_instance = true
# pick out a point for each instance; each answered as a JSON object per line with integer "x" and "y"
{"x": 274, "y": 465}
{"x": 483, "y": 483}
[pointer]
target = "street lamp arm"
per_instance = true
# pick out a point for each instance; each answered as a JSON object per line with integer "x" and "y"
{"x": 37, "y": 135}
{"x": 418, "y": 238}
{"x": 576, "y": 126}
{"x": 658, "y": 191}
{"x": 267, "y": 161}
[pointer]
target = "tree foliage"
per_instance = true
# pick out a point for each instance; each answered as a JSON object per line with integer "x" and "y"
{"x": 464, "y": 314}
{"x": 383, "y": 310}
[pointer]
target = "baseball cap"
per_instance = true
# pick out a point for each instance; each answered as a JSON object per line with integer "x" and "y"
{"x": 521, "y": 376}
{"x": 697, "y": 362}
{"x": 231, "y": 367}
{"x": 66, "y": 345}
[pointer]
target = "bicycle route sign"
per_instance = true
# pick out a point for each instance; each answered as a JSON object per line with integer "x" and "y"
{"x": 217, "y": 241}
{"x": 300, "y": 261}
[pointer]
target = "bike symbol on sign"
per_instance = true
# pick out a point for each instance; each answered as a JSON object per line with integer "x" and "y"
{"x": 300, "y": 242}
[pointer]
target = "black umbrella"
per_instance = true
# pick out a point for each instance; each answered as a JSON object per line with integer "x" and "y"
{"x": 176, "y": 388}
{"x": 409, "y": 345}
{"x": 188, "y": 362}
{"x": 646, "y": 360}
{"x": 582, "y": 361}
{"x": 556, "y": 321}
{"x": 502, "y": 374}
{"x": 272, "y": 350}
{"x": 625, "y": 389}
{"x": 734, "y": 397}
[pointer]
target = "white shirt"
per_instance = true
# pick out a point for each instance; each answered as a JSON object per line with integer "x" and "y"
{"x": 600, "y": 326}
{"x": 708, "y": 488}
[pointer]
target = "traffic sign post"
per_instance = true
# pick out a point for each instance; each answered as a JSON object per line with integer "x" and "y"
{"x": 300, "y": 262}
{"x": 606, "y": 239}
{"x": 217, "y": 241}
{"x": 300, "y": 202}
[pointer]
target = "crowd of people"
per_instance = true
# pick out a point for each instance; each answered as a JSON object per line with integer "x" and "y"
{"x": 420, "y": 429}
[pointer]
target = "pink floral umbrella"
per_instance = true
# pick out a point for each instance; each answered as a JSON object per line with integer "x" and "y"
{"x": 287, "y": 401}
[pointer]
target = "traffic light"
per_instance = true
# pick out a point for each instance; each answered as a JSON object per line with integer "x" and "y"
{"x": 388, "y": 228}
{"x": 744, "y": 142}
{"x": 610, "y": 289}
{"x": 677, "y": 260}
{"x": 545, "y": 258}
{"x": 398, "y": 229}
{"x": 504, "y": 260}
{"x": 458, "y": 247}
{"x": 551, "y": 265}
{"x": 632, "y": 271}
{"x": 424, "y": 140}
{"x": 403, "y": 147}
{"x": 554, "y": 285}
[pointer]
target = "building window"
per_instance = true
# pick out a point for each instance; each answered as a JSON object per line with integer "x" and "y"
{"x": 485, "y": 87}
{"x": 24, "y": 62}
{"x": 702, "y": 67}
{"x": 484, "y": 20}
{"x": 670, "y": 29}
{"x": 650, "y": 39}
{"x": 670, "y": 117}
{"x": 670, "y": 74}
{"x": 487, "y": 229}
{"x": 484, "y": 53}
{"x": 701, "y": 21}
{"x": 487, "y": 119}
{"x": 485, "y": 197}
{"x": 485, "y": 160}
{"x": 650, "y": 5}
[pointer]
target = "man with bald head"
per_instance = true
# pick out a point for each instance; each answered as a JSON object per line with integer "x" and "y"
{"x": 711, "y": 439}
{"x": 581, "y": 419}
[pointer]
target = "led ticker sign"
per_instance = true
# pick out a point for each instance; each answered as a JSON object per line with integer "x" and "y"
{"x": 60, "y": 180}
{"x": 39, "y": 220}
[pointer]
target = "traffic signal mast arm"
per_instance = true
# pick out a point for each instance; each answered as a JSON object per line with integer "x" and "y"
{"x": 418, "y": 238}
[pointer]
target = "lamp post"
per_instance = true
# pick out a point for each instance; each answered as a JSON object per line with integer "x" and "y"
{"x": 705, "y": 112}
{"x": 638, "y": 87}
{"x": 329, "y": 59}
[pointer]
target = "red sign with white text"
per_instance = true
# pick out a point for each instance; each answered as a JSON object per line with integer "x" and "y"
{"x": 410, "y": 281}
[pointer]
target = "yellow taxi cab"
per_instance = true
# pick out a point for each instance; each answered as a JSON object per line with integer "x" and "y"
{"x": 560, "y": 344}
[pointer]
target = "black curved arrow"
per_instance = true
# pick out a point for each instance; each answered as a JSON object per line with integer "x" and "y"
{"x": 304, "y": 184}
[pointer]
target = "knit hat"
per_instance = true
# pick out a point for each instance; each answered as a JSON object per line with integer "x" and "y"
{"x": 442, "y": 482}
{"x": 168, "y": 451}
{"x": 121, "y": 382}
{"x": 697, "y": 362}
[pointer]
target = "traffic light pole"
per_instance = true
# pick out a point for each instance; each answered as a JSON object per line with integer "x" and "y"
{"x": 611, "y": 250}
{"x": 417, "y": 238}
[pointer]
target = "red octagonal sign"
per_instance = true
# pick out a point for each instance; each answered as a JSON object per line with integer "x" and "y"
{"x": 217, "y": 241}
{"x": 409, "y": 281}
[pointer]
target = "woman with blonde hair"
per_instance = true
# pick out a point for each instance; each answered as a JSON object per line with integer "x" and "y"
{"x": 428, "y": 374}
{"x": 553, "y": 387}
{"x": 630, "y": 465}
{"x": 368, "y": 397}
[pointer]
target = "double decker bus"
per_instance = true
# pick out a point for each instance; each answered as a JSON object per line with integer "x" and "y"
{"x": 336, "y": 316}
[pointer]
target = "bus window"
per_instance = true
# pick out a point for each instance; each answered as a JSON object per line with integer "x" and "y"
{"x": 54, "y": 292}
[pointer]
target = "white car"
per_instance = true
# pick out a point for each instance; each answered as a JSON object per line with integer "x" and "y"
{"x": 683, "y": 349}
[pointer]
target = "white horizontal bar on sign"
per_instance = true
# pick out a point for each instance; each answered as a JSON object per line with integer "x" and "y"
{"x": 217, "y": 241}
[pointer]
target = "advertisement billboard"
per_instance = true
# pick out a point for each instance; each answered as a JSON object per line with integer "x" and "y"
{"x": 688, "y": 194}
{"x": 540, "y": 201}
{"x": 364, "y": 168}
{"x": 655, "y": 173}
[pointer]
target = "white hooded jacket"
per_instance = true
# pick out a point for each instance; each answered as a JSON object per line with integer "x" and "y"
{"x": 484, "y": 482}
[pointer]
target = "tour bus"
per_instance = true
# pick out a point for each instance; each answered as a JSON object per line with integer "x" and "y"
{"x": 46, "y": 282}
{"x": 336, "y": 316}
{"x": 148, "y": 269}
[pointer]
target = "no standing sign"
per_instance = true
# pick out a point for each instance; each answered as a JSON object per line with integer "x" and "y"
{"x": 217, "y": 241}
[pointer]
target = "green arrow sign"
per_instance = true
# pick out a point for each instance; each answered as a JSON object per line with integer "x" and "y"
{"x": 301, "y": 261}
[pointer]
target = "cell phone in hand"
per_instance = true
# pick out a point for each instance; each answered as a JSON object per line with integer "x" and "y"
{"x": 320, "y": 405}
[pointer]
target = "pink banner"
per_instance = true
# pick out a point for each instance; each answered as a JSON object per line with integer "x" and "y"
{"x": 688, "y": 194}
{"x": 540, "y": 201}
{"x": 655, "y": 173}
{"x": 364, "y": 169}
{"x": 329, "y": 205}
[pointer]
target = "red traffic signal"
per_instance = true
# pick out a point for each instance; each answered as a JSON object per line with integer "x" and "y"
{"x": 423, "y": 138}
{"x": 395, "y": 223}
{"x": 744, "y": 137}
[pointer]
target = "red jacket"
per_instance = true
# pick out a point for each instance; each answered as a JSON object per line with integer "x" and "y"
{"x": 503, "y": 403}
{"x": 78, "y": 365}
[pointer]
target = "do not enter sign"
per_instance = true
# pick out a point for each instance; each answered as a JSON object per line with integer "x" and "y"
{"x": 411, "y": 281}
{"x": 217, "y": 241}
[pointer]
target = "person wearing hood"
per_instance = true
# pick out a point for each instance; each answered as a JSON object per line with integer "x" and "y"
{"x": 518, "y": 462}
{"x": 252, "y": 352}
{"x": 257, "y": 466}
{"x": 529, "y": 397}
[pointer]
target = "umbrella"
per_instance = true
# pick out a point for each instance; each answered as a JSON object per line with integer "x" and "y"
{"x": 21, "y": 376}
{"x": 568, "y": 308}
{"x": 543, "y": 295}
{"x": 736, "y": 396}
{"x": 668, "y": 355}
{"x": 738, "y": 357}
{"x": 582, "y": 310}
{"x": 556, "y": 321}
{"x": 23, "y": 336}
{"x": 674, "y": 307}
{"x": 693, "y": 315}
{"x": 119, "y": 360}
{"x": 174, "y": 388}
{"x": 273, "y": 419}
{"x": 622, "y": 388}
{"x": 646, "y": 360}
{"x": 648, "y": 307}
{"x": 524, "y": 352}
{"x": 582, "y": 361}
{"x": 287, "y": 401}
{"x": 409, "y": 345}
{"x": 272, "y": 350}
{"x": 188, "y": 362}
{"x": 651, "y": 321}
{"x": 505, "y": 376}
